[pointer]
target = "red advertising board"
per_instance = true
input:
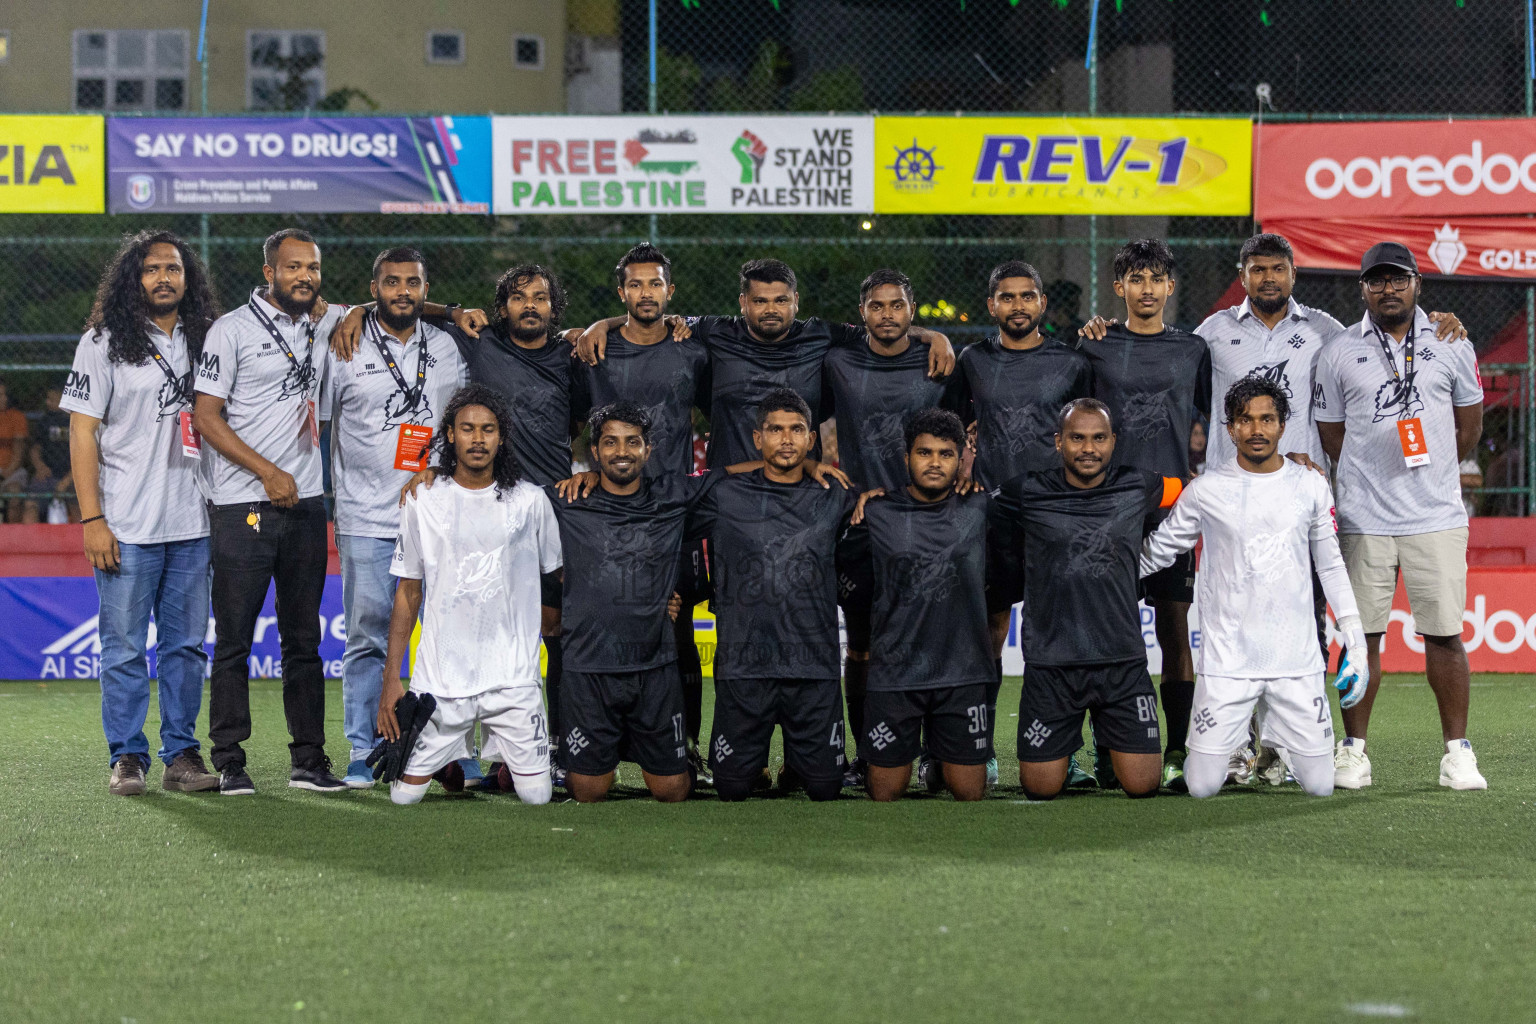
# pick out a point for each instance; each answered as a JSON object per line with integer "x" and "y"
{"x": 1395, "y": 168}
{"x": 1498, "y": 627}
{"x": 1499, "y": 247}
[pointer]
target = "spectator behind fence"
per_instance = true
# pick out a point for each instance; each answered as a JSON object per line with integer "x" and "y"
{"x": 1397, "y": 412}
{"x": 48, "y": 473}
{"x": 13, "y": 453}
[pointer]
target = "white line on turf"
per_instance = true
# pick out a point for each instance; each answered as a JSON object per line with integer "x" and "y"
{"x": 1379, "y": 1010}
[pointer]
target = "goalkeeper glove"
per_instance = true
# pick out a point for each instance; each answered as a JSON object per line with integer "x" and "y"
{"x": 1353, "y": 675}
{"x": 389, "y": 758}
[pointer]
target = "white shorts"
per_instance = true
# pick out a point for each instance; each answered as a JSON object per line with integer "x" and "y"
{"x": 1294, "y": 714}
{"x": 513, "y": 717}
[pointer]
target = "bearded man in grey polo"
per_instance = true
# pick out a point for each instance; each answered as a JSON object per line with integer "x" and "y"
{"x": 382, "y": 404}
{"x": 257, "y": 389}
{"x": 1397, "y": 412}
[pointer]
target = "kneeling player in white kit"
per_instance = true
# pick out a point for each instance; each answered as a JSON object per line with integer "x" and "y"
{"x": 478, "y": 548}
{"x": 1265, "y": 521}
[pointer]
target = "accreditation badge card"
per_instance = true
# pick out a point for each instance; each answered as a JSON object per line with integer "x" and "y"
{"x": 191, "y": 440}
{"x": 1410, "y": 434}
{"x": 411, "y": 446}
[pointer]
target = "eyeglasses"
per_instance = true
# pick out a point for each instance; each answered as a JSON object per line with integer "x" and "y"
{"x": 1399, "y": 283}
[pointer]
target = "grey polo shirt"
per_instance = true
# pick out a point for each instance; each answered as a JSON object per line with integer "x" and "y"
{"x": 366, "y": 407}
{"x": 267, "y": 395}
{"x": 150, "y": 490}
{"x": 1241, "y": 346}
{"x": 1378, "y": 493}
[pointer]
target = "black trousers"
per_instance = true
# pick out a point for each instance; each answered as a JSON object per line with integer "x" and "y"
{"x": 286, "y": 546}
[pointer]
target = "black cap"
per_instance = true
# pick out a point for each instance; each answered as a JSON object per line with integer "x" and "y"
{"x": 1388, "y": 254}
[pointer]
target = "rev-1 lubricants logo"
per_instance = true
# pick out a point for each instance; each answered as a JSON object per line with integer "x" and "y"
{"x": 913, "y": 168}
{"x": 1062, "y": 165}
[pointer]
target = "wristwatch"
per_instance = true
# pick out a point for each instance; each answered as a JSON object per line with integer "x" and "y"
{"x": 451, "y": 307}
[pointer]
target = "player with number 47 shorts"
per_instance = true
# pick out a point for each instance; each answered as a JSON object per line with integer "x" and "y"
{"x": 1265, "y": 521}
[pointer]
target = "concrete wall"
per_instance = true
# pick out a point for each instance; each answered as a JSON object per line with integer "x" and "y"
{"x": 378, "y": 47}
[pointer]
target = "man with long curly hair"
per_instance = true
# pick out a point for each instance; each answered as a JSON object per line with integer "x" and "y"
{"x": 473, "y": 549}
{"x": 135, "y": 463}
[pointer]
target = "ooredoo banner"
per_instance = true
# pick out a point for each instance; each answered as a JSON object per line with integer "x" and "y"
{"x": 299, "y": 165}
{"x": 52, "y": 164}
{"x": 1063, "y": 165}
{"x": 726, "y": 163}
{"x": 1499, "y": 247}
{"x": 1395, "y": 168}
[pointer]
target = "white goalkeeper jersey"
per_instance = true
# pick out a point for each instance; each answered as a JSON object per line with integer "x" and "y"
{"x": 1262, "y": 534}
{"x": 479, "y": 555}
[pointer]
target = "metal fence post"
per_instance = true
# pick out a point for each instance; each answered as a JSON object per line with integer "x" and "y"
{"x": 1093, "y": 109}
{"x": 651, "y": 92}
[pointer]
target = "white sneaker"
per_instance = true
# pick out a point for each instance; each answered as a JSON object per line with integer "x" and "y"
{"x": 1240, "y": 766}
{"x": 1270, "y": 767}
{"x": 1458, "y": 769}
{"x": 1351, "y": 768}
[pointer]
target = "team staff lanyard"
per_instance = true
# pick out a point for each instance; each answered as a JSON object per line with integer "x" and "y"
{"x": 1410, "y": 429}
{"x": 282, "y": 343}
{"x": 1403, "y": 380}
{"x": 182, "y": 384}
{"x": 412, "y": 395}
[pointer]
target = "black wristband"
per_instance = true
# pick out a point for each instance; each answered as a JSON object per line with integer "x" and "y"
{"x": 93, "y": 519}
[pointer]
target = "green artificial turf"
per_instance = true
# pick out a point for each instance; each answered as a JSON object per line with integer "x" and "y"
{"x": 1404, "y": 900}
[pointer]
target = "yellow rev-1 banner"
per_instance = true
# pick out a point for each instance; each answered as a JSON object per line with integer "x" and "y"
{"x": 53, "y": 164}
{"x": 1063, "y": 165}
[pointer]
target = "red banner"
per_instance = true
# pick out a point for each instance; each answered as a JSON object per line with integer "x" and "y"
{"x": 1498, "y": 627}
{"x": 1395, "y": 168}
{"x": 1503, "y": 247}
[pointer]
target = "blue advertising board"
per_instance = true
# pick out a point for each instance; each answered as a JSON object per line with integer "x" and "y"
{"x": 51, "y": 630}
{"x": 299, "y": 165}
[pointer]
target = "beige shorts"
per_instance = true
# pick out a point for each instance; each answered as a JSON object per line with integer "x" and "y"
{"x": 1434, "y": 568}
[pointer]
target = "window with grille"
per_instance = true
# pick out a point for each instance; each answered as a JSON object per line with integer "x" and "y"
{"x": 528, "y": 52}
{"x": 284, "y": 70}
{"x": 130, "y": 69}
{"x": 445, "y": 47}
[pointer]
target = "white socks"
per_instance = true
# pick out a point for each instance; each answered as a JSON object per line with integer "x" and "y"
{"x": 533, "y": 789}
{"x": 1451, "y": 746}
{"x": 1314, "y": 772}
{"x": 407, "y": 792}
{"x": 1205, "y": 774}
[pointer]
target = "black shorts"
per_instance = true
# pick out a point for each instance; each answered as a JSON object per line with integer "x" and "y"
{"x": 551, "y": 590}
{"x": 1175, "y": 583}
{"x": 810, "y": 711}
{"x": 955, "y": 719}
{"x": 1118, "y": 696}
{"x": 608, "y": 717}
{"x": 693, "y": 581}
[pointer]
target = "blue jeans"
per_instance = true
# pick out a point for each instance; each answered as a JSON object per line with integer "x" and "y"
{"x": 172, "y": 580}
{"x": 367, "y": 597}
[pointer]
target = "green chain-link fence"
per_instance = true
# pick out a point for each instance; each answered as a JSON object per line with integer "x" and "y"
{"x": 1320, "y": 60}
